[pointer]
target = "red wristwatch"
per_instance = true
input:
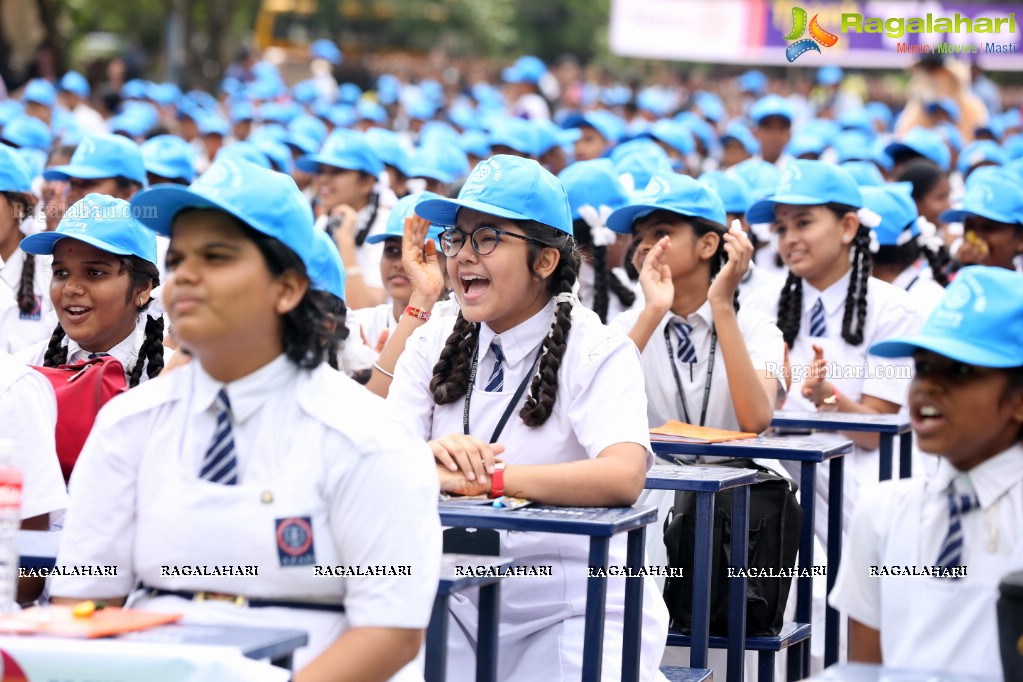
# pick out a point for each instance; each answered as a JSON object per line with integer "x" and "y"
{"x": 423, "y": 315}
{"x": 497, "y": 481}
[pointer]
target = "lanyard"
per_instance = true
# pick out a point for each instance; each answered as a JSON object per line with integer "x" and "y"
{"x": 511, "y": 406}
{"x": 678, "y": 379}
{"x": 912, "y": 282}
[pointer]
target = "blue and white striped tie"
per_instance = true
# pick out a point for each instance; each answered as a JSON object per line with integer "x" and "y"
{"x": 818, "y": 323}
{"x": 220, "y": 464}
{"x": 496, "y": 381}
{"x": 686, "y": 349}
{"x": 951, "y": 554}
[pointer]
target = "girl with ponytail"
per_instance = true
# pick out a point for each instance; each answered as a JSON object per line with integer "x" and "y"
{"x": 525, "y": 393}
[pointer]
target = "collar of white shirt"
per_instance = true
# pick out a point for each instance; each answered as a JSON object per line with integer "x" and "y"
{"x": 908, "y": 277}
{"x": 991, "y": 479}
{"x": 522, "y": 339}
{"x": 834, "y": 296}
{"x": 126, "y": 351}
{"x": 703, "y": 315}
{"x": 247, "y": 394}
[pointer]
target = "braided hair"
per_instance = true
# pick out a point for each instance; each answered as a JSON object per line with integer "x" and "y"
{"x": 374, "y": 201}
{"x": 335, "y": 314}
{"x": 790, "y": 303}
{"x": 905, "y": 255}
{"x": 451, "y": 373}
{"x": 603, "y": 279}
{"x": 26, "y": 287}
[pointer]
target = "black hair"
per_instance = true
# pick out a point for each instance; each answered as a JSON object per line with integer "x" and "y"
{"x": 374, "y": 201}
{"x": 790, "y": 303}
{"x": 905, "y": 255}
{"x": 335, "y": 314}
{"x": 923, "y": 173}
{"x": 26, "y": 287}
{"x": 142, "y": 274}
{"x": 603, "y": 280}
{"x": 451, "y": 373}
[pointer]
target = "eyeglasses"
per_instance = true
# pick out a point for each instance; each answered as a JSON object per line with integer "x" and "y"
{"x": 484, "y": 240}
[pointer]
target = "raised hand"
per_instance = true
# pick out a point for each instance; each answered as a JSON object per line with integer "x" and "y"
{"x": 655, "y": 278}
{"x": 740, "y": 251}
{"x": 421, "y": 262}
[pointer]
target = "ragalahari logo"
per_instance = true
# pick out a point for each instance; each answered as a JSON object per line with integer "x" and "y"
{"x": 819, "y": 35}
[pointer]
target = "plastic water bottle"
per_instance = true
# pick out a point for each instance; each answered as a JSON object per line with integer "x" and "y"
{"x": 10, "y": 522}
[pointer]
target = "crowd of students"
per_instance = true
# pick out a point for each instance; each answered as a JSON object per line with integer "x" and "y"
{"x": 327, "y": 291}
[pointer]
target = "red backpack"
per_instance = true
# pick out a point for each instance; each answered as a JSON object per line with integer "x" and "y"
{"x": 81, "y": 390}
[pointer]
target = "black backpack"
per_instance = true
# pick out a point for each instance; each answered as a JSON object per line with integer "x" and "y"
{"x": 775, "y": 522}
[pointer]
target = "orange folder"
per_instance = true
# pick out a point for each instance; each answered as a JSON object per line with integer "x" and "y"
{"x": 59, "y": 622}
{"x": 680, "y": 432}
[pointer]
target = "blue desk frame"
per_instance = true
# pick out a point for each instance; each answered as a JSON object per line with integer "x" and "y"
{"x": 809, "y": 453}
{"x": 276, "y": 644}
{"x": 600, "y": 524}
{"x": 705, "y": 481}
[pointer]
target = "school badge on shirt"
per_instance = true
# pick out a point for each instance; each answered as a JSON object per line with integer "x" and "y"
{"x": 295, "y": 541}
{"x": 35, "y": 313}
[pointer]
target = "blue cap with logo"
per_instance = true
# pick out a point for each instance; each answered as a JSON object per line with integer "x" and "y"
{"x": 40, "y": 91}
{"x": 990, "y": 194}
{"x": 675, "y": 193}
{"x": 326, "y": 269}
{"x": 772, "y": 105}
{"x": 922, "y": 142}
{"x": 808, "y": 183}
{"x": 101, "y": 221}
{"x": 593, "y": 183}
{"x": 27, "y": 132}
{"x": 732, "y": 189}
{"x": 509, "y": 187}
{"x": 985, "y": 152}
{"x": 102, "y": 156}
{"x": 894, "y": 203}
{"x": 170, "y": 157}
{"x": 978, "y": 321}
{"x": 265, "y": 200}
{"x": 406, "y": 208}
{"x": 15, "y": 175}
{"x": 346, "y": 149}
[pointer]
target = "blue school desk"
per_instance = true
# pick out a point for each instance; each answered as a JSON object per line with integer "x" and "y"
{"x": 886, "y": 425}
{"x": 867, "y": 672}
{"x": 600, "y": 524}
{"x": 705, "y": 481}
{"x": 453, "y": 580}
{"x": 276, "y": 644}
{"x": 810, "y": 453}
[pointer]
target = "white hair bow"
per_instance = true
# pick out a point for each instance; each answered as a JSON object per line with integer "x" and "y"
{"x": 156, "y": 309}
{"x": 928, "y": 238}
{"x": 567, "y": 297}
{"x": 596, "y": 218}
{"x": 868, "y": 218}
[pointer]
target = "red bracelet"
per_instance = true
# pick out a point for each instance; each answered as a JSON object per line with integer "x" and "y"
{"x": 497, "y": 481}
{"x": 423, "y": 315}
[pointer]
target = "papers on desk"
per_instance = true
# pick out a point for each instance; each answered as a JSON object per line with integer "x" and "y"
{"x": 485, "y": 501}
{"x": 680, "y": 432}
{"x": 58, "y": 621}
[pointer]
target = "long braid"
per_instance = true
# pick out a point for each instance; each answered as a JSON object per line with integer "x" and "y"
{"x": 790, "y": 308}
{"x": 451, "y": 373}
{"x": 150, "y": 353}
{"x": 626, "y": 295}
{"x": 939, "y": 260}
{"x": 600, "y": 282}
{"x": 27, "y": 302}
{"x": 56, "y": 352}
{"x": 854, "y": 319}
{"x": 360, "y": 236}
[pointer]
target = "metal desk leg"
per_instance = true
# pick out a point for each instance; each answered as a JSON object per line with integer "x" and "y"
{"x": 632, "y": 629}
{"x": 437, "y": 641}
{"x": 737, "y": 584}
{"x": 486, "y": 640}
{"x": 799, "y": 654}
{"x": 831, "y": 621}
{"x": 700, "y": 640}
{"x": 596, "y": 596}
{"x": 887, "y": 452}
{"x": 906, "y": 455}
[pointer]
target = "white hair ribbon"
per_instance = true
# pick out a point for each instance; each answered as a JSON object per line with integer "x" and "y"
{"x": 156, "y": 309}
{"x": 868, "y": 218}
{"x": 567, "y": 297}
{"x": 600, "y": 233}
{"x": 928, "y": 238}
{"x": 875, "y": 244}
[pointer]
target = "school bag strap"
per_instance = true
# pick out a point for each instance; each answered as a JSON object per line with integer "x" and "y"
{"x": 81, "y": 390}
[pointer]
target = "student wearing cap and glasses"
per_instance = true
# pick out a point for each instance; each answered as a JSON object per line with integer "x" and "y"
{"x": 256, "y": 441}
{"x": 537, "y": 369}
{"x": 962, "y": 524}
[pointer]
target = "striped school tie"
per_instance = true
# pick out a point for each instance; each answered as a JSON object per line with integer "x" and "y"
{"x": 220, "y": 464}
{"x": 818, "y": 324}
{"x": 93, "y": 356}
{"x": 496, "y": 381}
{"x": 686, "y": 349}
{"x": 951, "y": 554}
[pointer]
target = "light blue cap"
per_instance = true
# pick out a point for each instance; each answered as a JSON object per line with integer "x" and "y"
{"x": 549, "y": 135}
{"x": 993, "y": 126}
{"x": 242, "y": 111}
{"x": 464, "y": 116}
{"x": 950, "y": 134}
{"x": 978, "y": 321}
{"x": 213, "y": 124}
{"x": 658, "y": 102}
{"x": 441, "y": 161}
{"x": 946, "y": 104}
{"x": 15, "y": 175}
{"x": 823, "y": 128}
{"x": 130, "y": 124}
{"x": 75, "y": 83}
{"x": 772, "y": 105}
{"x": 741, "y": 134}
{"x": 136, "y": 88}
{"x": 753, "y": 81}
{"x": 761, "y": 176}
{"x": 476, "y": 143}
{"x": 509, "y": 187}
{"x": 170, "y": 157}
{"x": 165, "y": 94}
{"x": 675, "y": 193}
{"x": 275, "y": 150}
{"x": 643, "y": 160}
{"x": 326, "y": 269}
{"x": 990, "y": 193}
{"x": 865, "y": 173}
{"x": 40, "y": 91}
{"x": 514, "y": 133}
{"x": 306, "y": 132}
{"x": 1011, "y": 118}
{"x": 345, "y": 149}
{"x": 981, "y": 151}
{"x": 406, "y": 208}
{"x": 805, "y": 143}
{"x": 10, "y": 108}
{"x": 371, "y": 111}
{"x": 101, "y": 221}
{"x": 699, "y": 128}
{"x": 923, "y": 142}
{"x": 305, "y": 92}
{"x": 808, "y": 183}
{"x": 349, "y": 93}
{"x": 852, "y": 145}
{"x": 27, "y": 132}
{"x": 829, "y": 75}
{"x": 526, "y": 69}
{"x": 858, "y": 119}
{"x": 894, "y": 203}
{"x": 438, "y": 132}
{"x": 245, "y": 150}
{"x": 880, "y": 111}
{"x": 341, "y": 116}
{"x": 733, "y": 190}
{"x": 607, "y": 124}
{"x": 711, "y": 106}
{"x": 387, "y": 145}
{"x": 102, "y": 156}
{"x": 676, "y": 135}
{"x": 593, "y": 183}
{"x": 325, "y": 49}
{"x": 265, "y": 200}
{"x": 35, "y": 158}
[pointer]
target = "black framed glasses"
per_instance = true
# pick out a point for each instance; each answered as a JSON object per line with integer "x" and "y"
{"x": 484, "y": 240}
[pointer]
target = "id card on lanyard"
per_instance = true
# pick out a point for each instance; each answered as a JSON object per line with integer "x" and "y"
{"x": 678, "y": 379}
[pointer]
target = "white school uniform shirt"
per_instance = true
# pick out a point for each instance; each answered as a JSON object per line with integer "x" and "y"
{"x": 853, "y": 371}
{"x": 375, "y": 320}
{"x": 924, "y": 291}
{"x": 27, "y": 404}
{"x": 315, "y": 444}
{"x": 928, "y": 623}
{"x": 587, "y": 276}
{"x": 760, "y": 288}
{"x": 369, "y": 255}
{"x": 600, "y": 402}
{"x": 22, "y": 329}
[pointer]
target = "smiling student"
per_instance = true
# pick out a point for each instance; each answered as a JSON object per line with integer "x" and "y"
{"x": 461, "y": 382}
{"x": 963, "y": 523}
